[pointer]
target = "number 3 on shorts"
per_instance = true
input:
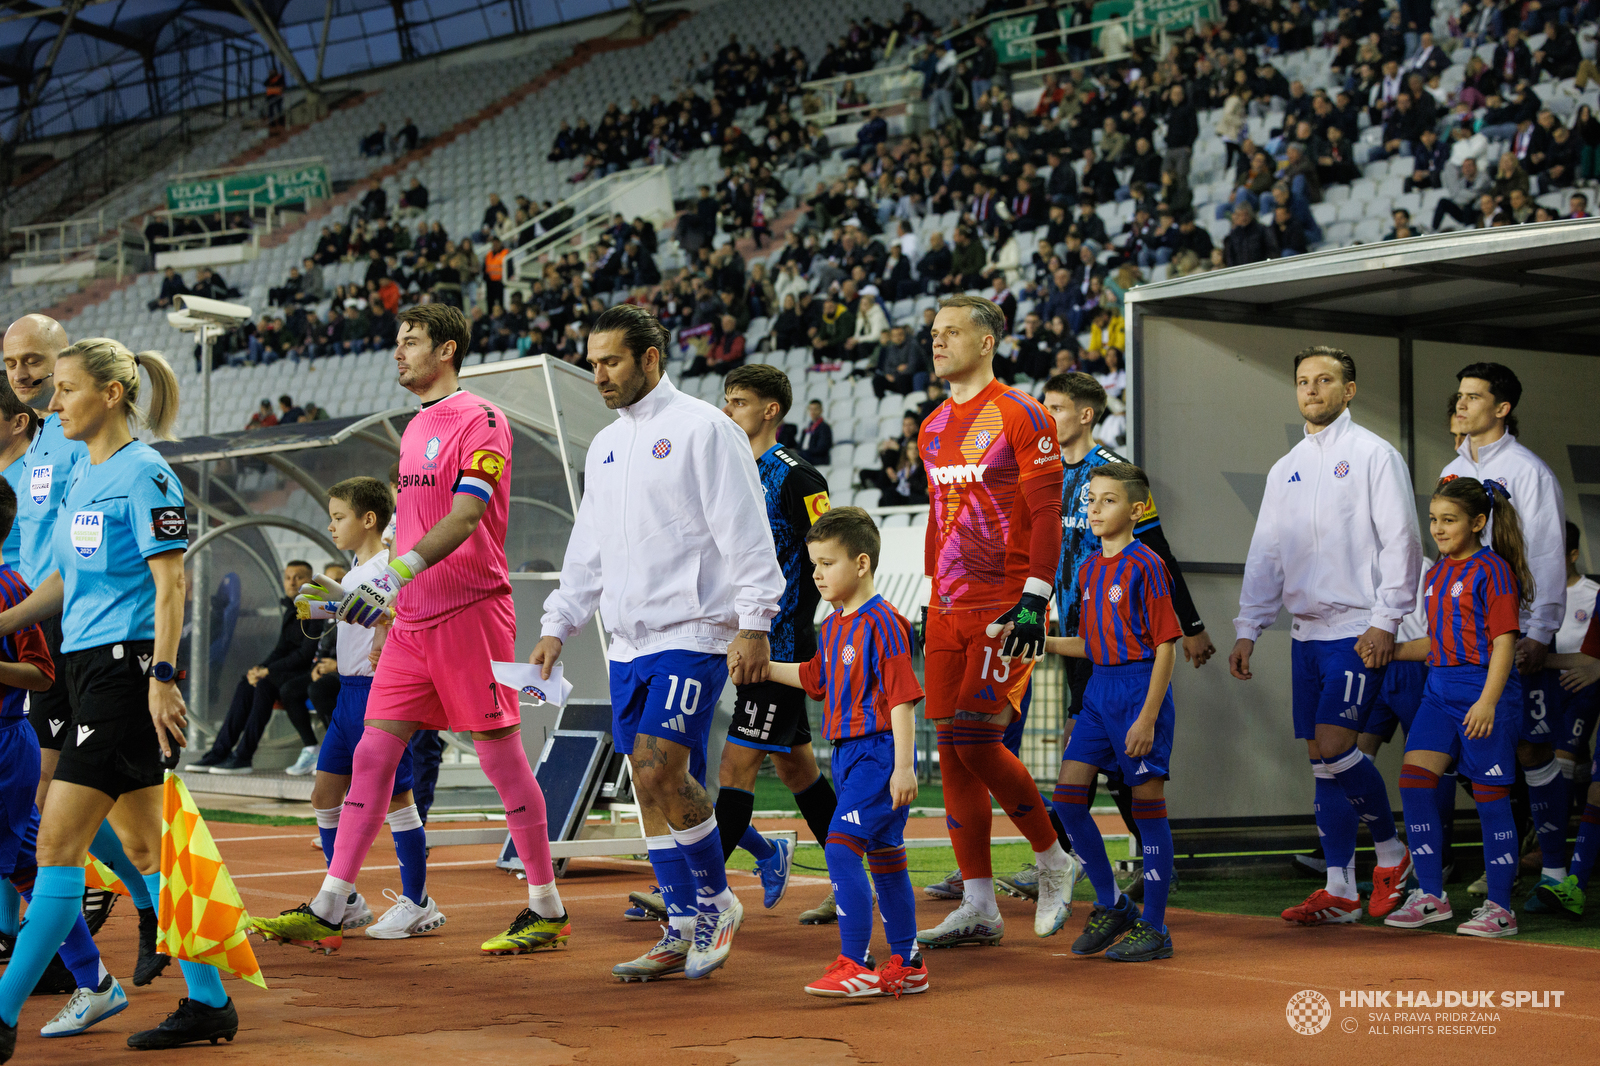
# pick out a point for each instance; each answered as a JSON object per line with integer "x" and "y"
{"x": 691, "y": 694}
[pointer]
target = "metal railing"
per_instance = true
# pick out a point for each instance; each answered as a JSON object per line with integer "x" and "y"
{"x": 590, "y": 214}
{"x": 901, "y": 83}
{"x": 61, "y": 241}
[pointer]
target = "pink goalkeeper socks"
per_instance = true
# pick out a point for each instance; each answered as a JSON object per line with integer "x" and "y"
{"x": 366, "y": 805}
{"x": 505, "y": 764}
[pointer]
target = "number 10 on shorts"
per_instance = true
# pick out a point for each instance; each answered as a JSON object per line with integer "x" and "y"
{"x": 691, "y": 694}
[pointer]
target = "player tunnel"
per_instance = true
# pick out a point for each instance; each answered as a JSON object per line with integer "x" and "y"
{"x": 1212, "y": 407}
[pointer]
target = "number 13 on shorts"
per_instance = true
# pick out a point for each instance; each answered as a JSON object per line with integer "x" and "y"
{"x": 963, "y": 668}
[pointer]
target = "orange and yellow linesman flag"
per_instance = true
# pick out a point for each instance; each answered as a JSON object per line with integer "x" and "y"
{"x": 97, "y": 874}
{"x": 202, "y": 917}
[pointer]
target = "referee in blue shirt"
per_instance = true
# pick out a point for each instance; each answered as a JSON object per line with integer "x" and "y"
{"x": 119, "y": 587}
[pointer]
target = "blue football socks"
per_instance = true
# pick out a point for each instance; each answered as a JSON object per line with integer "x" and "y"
{"x": 108, "y": 849}
{"x": 1587, "y": 845}
{"x": 205, "y": 982}
{"x": 327, "y": 828}
{"x": 57, "y": 902}
{"x": 852, "y": 895}
{"x": 411, "y": 848}
{"x": 1337, "y": 823}
{"x": 1156, "y": 835}
{"x": 897, "y": 901}
{"x": 757, "y": 845}
{"x": 1499, "y": 840}
{"x": 1363, "y": 786}
{"x": 1419, "y": 797}
{"x": 1071, "y": 803}
{"x": 701, "y": 846}
{"x": 676, "y": 883}
{"x": 1548, "y": 791}
{"x": 10, "y": 908}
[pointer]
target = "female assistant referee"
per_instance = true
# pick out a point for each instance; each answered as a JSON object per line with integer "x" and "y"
{"x": 119, "y": 543}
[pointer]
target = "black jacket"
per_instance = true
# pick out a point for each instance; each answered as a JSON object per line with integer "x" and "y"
{"x": 295, "y": 651}
{"x": 1183, "y": 127}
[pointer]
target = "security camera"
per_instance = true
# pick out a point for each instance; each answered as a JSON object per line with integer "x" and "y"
{"x": 184, "y": 322}
{"x": 212, "y": 312}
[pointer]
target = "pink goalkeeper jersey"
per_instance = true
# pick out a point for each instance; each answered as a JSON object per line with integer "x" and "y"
{"x": 458, "y": 444}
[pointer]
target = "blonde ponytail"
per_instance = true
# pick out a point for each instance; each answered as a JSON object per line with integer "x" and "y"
{"x": 162, "y": 414}
{"x": 109, "y": 360}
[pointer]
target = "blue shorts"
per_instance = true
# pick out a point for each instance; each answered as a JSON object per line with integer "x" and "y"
{"x": 1331, "y": 686}
{"x": 672, "y": 695}
{"x": 1448, "y": 696}
{"x": 1541, "y": 707}
{"x": 862, "y": 767}
{"x": 344, "y": 732}
{"x": 1398, "y": 698}
{"x": 19, "y": 780}
{"x": 1577, "y": 717}
{"x": 1111, "y": 704}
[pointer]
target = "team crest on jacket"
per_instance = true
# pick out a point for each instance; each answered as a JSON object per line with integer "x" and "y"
{"x": 1342, "y": 469}
{"x": 662, "y": 449}
{"x": 1114, "y": 594}
{"x": 848, "y": 656}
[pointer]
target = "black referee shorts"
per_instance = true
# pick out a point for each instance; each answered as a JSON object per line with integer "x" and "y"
{"x": 112, "y": 744}
{"x": 50, "y": 711}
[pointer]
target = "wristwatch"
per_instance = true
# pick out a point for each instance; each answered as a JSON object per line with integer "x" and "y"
{"x": 164, "y": 672}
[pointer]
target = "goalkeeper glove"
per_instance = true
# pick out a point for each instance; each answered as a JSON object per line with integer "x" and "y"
{"x": 319, "y": 599}
{"x": 368, "y": 602}
{"x": 1026, "y": 639}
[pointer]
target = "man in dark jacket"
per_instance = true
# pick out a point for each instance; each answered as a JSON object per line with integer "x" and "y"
{"x": 1287, "y": 234}
{"x": 258, "y": 690}
{"x": 1249, "y": 241}
{"x": 1183, "y": 129}
{"x": 171, "y": 285}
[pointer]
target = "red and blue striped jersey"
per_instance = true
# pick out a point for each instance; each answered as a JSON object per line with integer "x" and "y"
{"x": 25, "y": 646}
{"x": 1469, "y": 603}
{"x": 1125, "y": 607}
{"x": 862, "y": 670}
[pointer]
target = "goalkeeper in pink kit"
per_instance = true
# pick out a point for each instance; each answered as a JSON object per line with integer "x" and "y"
{"x": 450, "y": 592}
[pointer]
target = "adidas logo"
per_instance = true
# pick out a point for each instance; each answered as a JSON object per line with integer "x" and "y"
{"x": 1151, "y": 875}
{"x": 1422, "y": 849}
{"x": 1350, "y": 712}
{"x": 610, "y": 457}
{"x": 1143, "y": 769}
{"x": 1294, "y": 477}
{"x": 1541, "y": 728}
{"x": 1547, "y": 827}
{"x": 1504, "y": 860}
{"x": 1494, "y": 771}
{"x": 84, "y": 733}
{"x": 675, "y": 723}
{"x": 854, "y": 817}
{"x": 987, "y": 693}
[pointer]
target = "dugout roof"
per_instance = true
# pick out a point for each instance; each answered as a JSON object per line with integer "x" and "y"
{"x": 1531, "y": 287}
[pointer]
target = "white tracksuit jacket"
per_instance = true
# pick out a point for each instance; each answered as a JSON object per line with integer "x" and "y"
{"x": 671, "y": 540}
{"x": 1336, "y": 541}
{"x": 1536, "y": 494}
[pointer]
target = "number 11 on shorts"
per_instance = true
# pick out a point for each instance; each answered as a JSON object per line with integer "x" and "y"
{"x": 1350, "y": 679}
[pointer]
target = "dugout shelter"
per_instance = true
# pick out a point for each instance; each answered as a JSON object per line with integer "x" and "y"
{"x": 259, "y": 498}
{"x": 1211, "y": 407}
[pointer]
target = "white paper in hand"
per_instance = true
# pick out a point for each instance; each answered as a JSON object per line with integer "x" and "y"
{"x": 524, "y": 677}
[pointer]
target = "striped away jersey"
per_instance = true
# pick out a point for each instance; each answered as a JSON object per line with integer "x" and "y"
{"x": 1125, "y": 610}
{"x": 24, "y": 646}
{"x": 994, "y": 477}
{"x": 1469, "y": 603}
{"x": 458, "y": 444}
{"x": 796, "y": 496}
{"x": 862, "y": 670}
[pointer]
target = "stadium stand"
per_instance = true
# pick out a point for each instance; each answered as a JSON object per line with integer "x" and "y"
{"x": 1248, "y": 79}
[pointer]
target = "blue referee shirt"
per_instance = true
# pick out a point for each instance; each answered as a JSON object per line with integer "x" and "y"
{"x": 51, "y": 459}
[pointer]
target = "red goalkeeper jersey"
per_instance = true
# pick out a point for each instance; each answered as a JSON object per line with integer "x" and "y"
{"x": 994, "y": 487}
